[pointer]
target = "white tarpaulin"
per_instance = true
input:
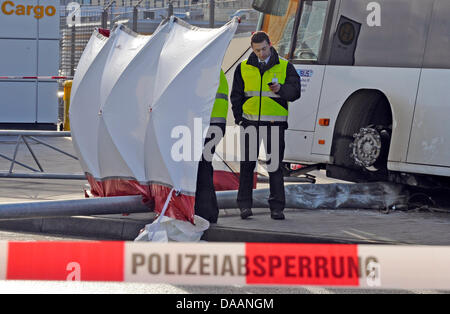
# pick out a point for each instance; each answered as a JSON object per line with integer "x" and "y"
{"x": 136, "y": 98}
{"x": 91, "y": 51}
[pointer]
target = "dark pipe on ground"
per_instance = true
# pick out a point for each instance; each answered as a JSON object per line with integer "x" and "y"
{"x": 77, "y": 207}
{"x": 304, "y": 196}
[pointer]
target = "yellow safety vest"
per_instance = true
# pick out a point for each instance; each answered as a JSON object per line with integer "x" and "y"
{"x": 220, "y": 107}
{"x": 262, "y": 103}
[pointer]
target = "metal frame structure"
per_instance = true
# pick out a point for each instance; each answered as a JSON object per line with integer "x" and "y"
{"x": 25, "y": 136}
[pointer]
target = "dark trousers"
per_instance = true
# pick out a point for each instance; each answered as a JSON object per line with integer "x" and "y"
{"x": 205, "y": 194}
{"x": 250, "y": 146}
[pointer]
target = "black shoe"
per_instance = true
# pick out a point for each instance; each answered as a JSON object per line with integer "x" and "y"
{"x": 277, "y": 214}
{"x": 246, "y": 212}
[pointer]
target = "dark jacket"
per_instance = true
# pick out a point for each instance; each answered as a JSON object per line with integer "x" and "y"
{"x": 289, "y": 91}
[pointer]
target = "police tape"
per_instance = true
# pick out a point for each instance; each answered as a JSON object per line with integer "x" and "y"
{"x": 331, "y": 265}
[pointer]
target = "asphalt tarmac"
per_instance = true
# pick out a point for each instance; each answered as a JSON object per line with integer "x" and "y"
{"x": 356, "y": 225}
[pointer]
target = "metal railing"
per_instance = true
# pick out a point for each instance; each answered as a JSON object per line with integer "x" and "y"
{"x": 25, "y": 137}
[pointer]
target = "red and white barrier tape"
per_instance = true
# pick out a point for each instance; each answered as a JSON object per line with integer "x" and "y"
{"x": 363, "y": 266}
{"x": 36, "y": 77}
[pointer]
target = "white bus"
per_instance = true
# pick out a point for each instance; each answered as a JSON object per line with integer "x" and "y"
{"x": 375, "y": 77}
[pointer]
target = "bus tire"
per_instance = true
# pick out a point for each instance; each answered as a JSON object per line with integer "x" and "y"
{"x": 363, "y": 109}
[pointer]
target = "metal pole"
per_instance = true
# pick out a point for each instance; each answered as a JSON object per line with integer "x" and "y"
{"x": 32, "y": 154}
{"x": 211, "y": 13}
{"x": 111, "y": 18}
{"x": 52, "y": 147}
{"x": 105, "y": 15}
{"x": 105, "y": 19}
{"x": 41, "y": 175}
{"x": 16, "y": 149}
{"x": 135, "y": 15}
{"x": 263, "y": 179}
{"x": 170, "y": 10}
{"x": 373, "y": 195}
{"x": 135, "y": 18}
{"x": 79, "y": 207}
{"x": 228, "y": 199}
{"x": 72, "y": 50}
{"x": 303, "y": 196}
{"x": 34, "y": 133}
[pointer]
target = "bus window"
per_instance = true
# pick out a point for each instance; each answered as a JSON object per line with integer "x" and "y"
{"x": 271, "y": 7}
{"x": 310, "y": 30}
{"x": 279, "y": 22}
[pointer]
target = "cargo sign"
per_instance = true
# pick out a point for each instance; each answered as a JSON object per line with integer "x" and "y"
{"x": 36, "y": 11}
{"x": 29, "y": 19}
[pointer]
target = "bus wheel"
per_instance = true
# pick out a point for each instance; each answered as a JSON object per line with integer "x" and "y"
{"x": 370, "y": 147}
{"x": 356, "y": 146}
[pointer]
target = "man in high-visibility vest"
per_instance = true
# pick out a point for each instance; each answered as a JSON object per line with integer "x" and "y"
{"x": 262, "y": 87}
{"x": 205, "y": 194}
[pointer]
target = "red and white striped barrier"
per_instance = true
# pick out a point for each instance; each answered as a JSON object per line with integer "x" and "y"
{"x": 338, "y": 265}
{"x": 36, "y": 77}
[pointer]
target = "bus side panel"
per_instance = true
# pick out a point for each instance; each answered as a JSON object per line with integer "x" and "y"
{"x": 303, "y": 112}
{"x": 430, "y": 142}
{"x": 298, "y": 148}
{"x": 416, "y": 168}
{"x": 393, "y": 33}
{"x": 398, "y": 84}
{"x": 303, "y": 115}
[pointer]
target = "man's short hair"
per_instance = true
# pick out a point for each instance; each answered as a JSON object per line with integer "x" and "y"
{"x": 259, "y": 37}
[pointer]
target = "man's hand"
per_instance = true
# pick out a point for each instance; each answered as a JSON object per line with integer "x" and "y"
{"x": 275, "y": 88}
